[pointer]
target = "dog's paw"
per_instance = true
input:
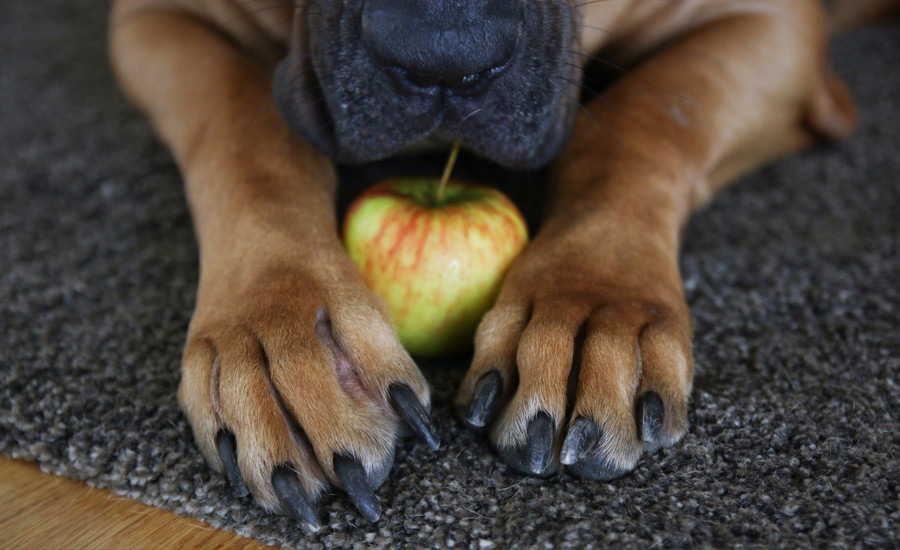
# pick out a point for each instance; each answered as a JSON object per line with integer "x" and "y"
{"x": 293, "y": 383}
{"x": 585, "y": 361}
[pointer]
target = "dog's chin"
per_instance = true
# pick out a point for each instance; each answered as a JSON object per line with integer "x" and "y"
{"x": 517, "y": 159}
{"x": 444, "y": 142}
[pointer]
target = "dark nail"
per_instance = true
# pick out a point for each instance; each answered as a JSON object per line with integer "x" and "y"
{"x": 356, "y": 484}
{"x": 582, "y": 437}
{"x": 540, "y": 442}
{"x": 650, "y": 415}
{"x": 293, "y": 498}
{"x": 227, "y": 446}
{"x": 483, "y": 397}
{"x": 405, "y": 403}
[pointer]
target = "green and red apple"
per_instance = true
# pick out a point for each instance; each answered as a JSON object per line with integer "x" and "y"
{"x": 436, "y": 254}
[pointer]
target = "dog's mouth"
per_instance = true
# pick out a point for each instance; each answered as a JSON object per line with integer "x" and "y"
{"x": 367, "y": 79}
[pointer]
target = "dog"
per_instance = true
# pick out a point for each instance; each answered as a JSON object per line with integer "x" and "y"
{"x": 292, "y": 377}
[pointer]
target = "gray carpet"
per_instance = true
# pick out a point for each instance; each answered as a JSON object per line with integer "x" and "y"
{"x": 792, "y": 274}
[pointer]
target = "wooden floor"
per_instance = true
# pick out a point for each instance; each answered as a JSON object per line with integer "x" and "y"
{"x": 38, "y": 510}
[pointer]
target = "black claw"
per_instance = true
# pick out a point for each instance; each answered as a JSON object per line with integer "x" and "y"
{"x": 227, "y": 446}
{"x": 293, "y": 498}
{"x": 582, "y": 455}
{"x": 356, "y": 484}
{"x": 540, "y": 442}
{"x": 408, "y": 407}
{"x": 582, "y": 437}
{"x": 650, "y": 416}
{"x": 534, "y": 457}
{"x": 483, "y": 397}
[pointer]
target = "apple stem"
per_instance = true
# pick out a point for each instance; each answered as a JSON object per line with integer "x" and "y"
{"x": 448, "y": 169}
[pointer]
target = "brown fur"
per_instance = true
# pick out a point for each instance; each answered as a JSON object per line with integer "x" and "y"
{"x": 734, "y": 85}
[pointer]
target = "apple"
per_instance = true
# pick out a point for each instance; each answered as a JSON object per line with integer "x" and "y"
{"x": 436, "y": 254}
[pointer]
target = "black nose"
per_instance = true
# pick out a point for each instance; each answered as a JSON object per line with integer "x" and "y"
{"x": 454, "y": 44}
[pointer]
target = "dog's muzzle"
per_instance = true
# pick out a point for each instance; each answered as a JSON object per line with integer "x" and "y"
{"x": 366, "y": 79}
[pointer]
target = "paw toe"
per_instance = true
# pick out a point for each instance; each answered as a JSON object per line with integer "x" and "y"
{"x": 650, "y": 420}
{"x": 585, "y": 455}
{"x": 408, "y": 407}
{"x": 358, "y": 486}
{"x": 227, "y": 447}
{"x": 535, "y": 456}
{"x": 582, "y": 438}
{"x": 484, "y": 397}
{"x": 293, "y": 498}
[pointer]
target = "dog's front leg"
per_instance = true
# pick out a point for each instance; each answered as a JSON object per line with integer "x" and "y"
{"x": 292, "y": 377}
{"x": 585, "y": 361}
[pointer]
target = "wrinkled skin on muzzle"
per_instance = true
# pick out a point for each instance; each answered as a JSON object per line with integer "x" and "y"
{"x": 366, "y": 79}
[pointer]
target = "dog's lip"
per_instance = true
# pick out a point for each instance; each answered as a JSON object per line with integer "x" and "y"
{"x": 405, "y": 85}
{"x": 479, "y": 83}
